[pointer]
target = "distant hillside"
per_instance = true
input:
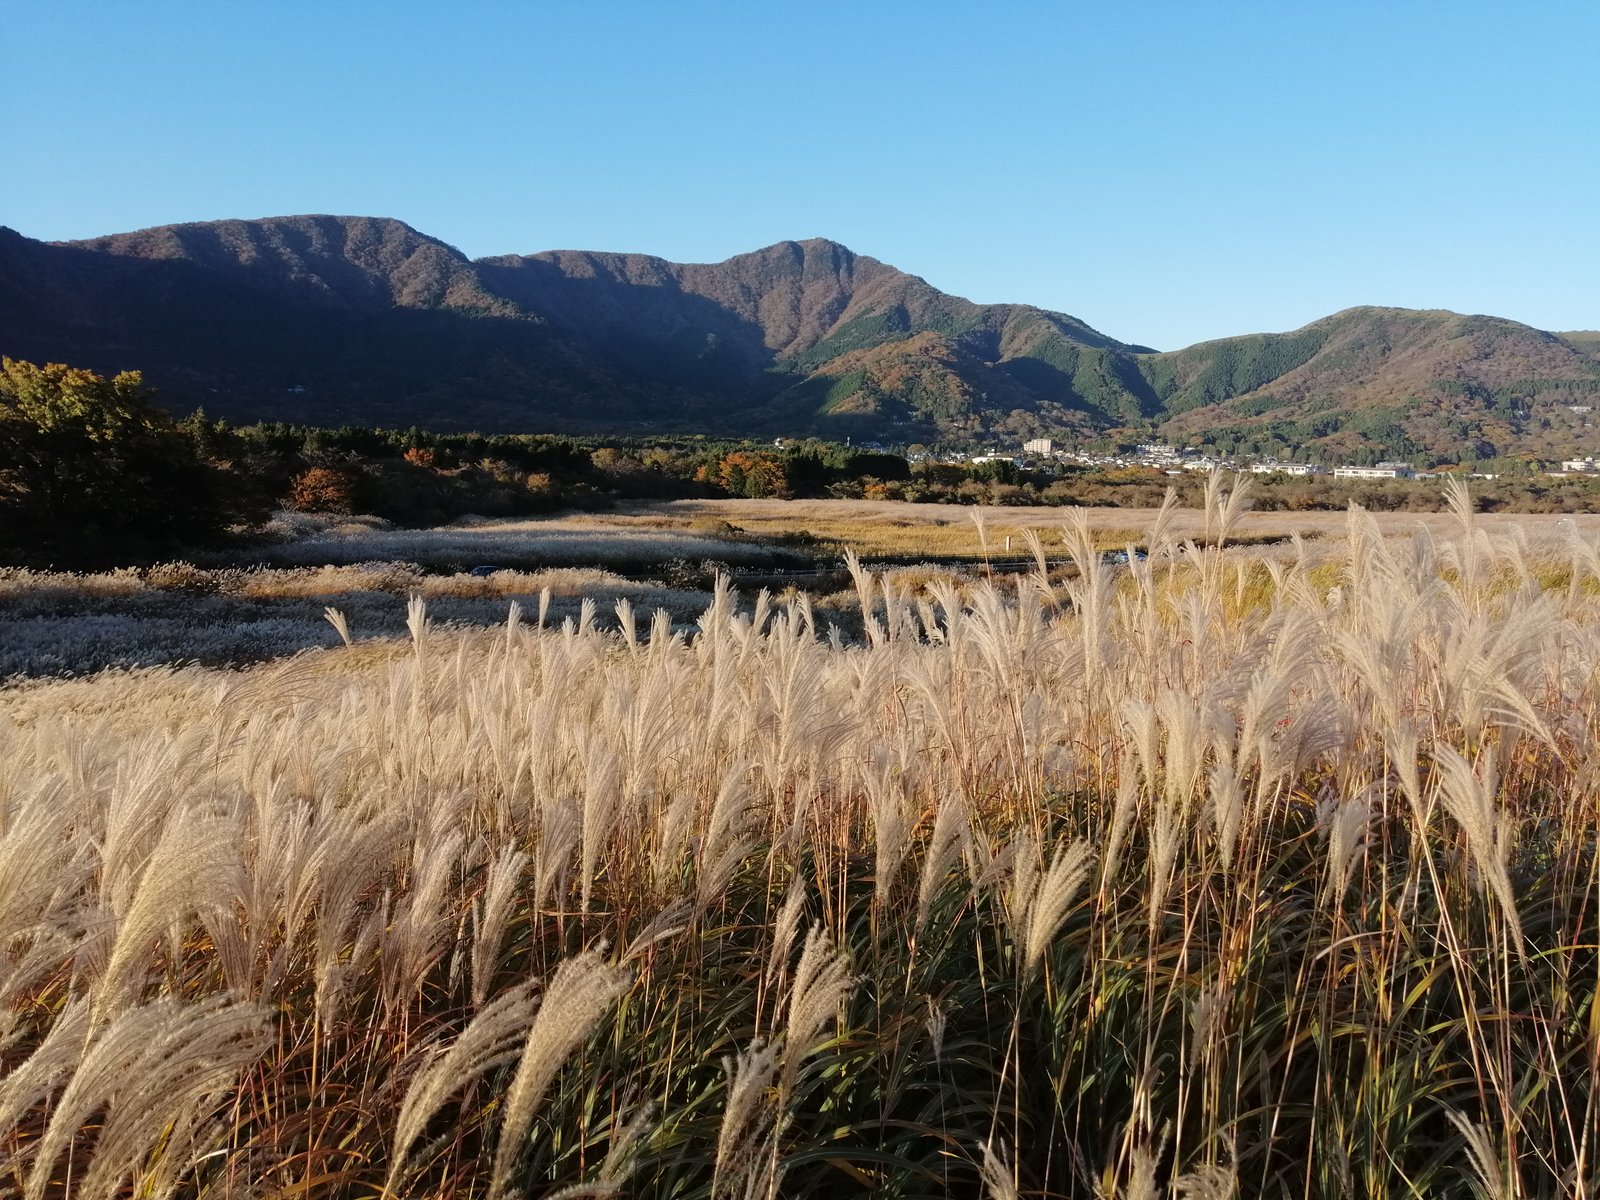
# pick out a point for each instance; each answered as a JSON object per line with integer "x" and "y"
{"x": 356, "y": 319}
{"x": 809, "y": 334}
{"x": 1418, "y": 382}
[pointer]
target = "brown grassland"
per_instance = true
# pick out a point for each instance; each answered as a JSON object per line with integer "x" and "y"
{"x": 897, "y": 528}
{"x": 1222, "y": 873}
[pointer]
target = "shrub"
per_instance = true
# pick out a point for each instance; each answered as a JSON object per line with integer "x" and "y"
{"x": 324, "y": 490}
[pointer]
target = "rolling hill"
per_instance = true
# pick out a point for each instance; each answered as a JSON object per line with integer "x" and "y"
{"x": 356, "y": 319}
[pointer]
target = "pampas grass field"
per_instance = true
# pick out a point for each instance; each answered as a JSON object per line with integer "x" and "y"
{"x": 1220, "y": 874}
{"x": 56, "y": 623}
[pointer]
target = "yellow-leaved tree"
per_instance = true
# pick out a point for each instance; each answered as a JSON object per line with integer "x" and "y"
{"x": 91, "y": 470}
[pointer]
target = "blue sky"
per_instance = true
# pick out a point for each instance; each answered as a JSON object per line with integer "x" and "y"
{"x": 1167, "y": 172}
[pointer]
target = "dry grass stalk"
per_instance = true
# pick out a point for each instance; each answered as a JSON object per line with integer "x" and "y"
{"x": 370, "y": 845}
{"x": 580, "y": 993}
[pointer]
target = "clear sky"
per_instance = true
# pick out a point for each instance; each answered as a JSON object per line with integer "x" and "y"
{"x": 1167, "y": 172}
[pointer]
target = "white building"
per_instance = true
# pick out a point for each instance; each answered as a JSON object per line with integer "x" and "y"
{"x": 1039, "y": 446}
{"x": 1384, "y": 470}
{"x": 1159, "y": 453}
{"x": 1273, "y": 467}
{"x": 1586, "y": 465}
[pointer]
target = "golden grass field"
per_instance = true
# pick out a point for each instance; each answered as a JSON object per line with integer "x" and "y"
{"x": 55, "y": 623}
{"x": 891, "y": 527}
{"x": 1220, "y": 874}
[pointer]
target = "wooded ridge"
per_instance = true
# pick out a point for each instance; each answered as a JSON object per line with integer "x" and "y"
{"x": 360, "y": 320}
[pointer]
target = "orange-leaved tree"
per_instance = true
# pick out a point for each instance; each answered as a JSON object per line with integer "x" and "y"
{"x": 746, "y": 473}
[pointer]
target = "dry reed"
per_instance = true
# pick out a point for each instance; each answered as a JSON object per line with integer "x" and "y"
{"x": 1200, "y": 877}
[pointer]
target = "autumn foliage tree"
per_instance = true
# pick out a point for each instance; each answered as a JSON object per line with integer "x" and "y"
{"x": 753, "y": 475}
{"x": 92, "y": 469}
{"x": 324, "y": 490}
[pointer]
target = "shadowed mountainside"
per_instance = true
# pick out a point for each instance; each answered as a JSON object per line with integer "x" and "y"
{"x": 357, "y": 319}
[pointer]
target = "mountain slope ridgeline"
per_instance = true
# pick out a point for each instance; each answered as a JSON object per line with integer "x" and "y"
{"x": 357, "y": 319}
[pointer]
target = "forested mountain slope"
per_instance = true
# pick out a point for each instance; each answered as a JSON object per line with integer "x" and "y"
{"x": 359, "y": 319}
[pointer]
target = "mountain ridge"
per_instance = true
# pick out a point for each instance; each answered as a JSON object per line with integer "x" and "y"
{"x": 366, "y": 319}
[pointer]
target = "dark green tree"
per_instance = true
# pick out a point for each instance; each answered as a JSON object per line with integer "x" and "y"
{"x": 92, "y": 470}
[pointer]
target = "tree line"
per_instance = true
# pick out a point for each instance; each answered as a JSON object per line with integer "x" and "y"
{"x": 93, "y": 471}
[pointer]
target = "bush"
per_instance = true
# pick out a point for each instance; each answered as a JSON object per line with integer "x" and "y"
{"x": 325, "y": 490}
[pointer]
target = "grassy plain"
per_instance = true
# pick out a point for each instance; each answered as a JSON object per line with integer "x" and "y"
{"x": 661, "y": 555}
{"x": 895, "y": 528}
{"x": 1220, "y": 874}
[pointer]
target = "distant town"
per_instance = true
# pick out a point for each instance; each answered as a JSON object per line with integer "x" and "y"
{"x": 1176, "y": 460}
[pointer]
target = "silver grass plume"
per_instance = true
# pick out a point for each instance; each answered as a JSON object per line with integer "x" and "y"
{"x": 891, "y": 826}
{"x": 1166, "y": 831}
{"x": 417, "y": 935}
{"x": 365, "y": 851}
{"x": 998, "y": 1178}
{"x": 742, "y": 1157}
{"x": 1471, "y": 802}
{"x": 1158, "y": 540}
{"x": 1127, "y": 806}
{"x": 1208, "y": 1182}
{"x": 489, "y": 1040}
{"x": 673, "y": 824}
{"x": 1402, "y": 743}
{"x": 194, "y": 1075}
{"x": 581, "y": 992}
{"x": 661, "y": 636}
{"x": 935, "y": 1022}
{"x": 980, "y": 520}
{"x": 1026, "y": 866}
{"x": 1041, "y": 564}
{"x": 1211, "y": 502}
{"x": 665, "y": 925}
{"x": 729, "y": 836}
{"x": 49, "y": 945}
{"x": 1141, "y": 1183}
{"x": 417, "y": 620}
{"x": 1052, "y": 900}
{"x": 337, "y": 619}
{"x": 195, "y": 867}
{"x": 36, "y": 868}
{"x": 949, "y": 832}
{"x": 148, "y": 1068}
{"x": 866, "y": 595}
{"x": 1183, "y": 725}
{"x": 602, "y": 777}
{"x": 1459, "y": 497}
{"x": 627, "y": 623}
{"x": 822, "y": 983}
{"x": 1347, "y": 831}
{"x": 1491, "y": 1176}
{"x": 52, "y": 1060}
{"x": 560, "y": 828}
{"x": 628, "y": 1132}
{"x": 513, "y": 624}
{"x": 1223, "y": 511}
{"x": 490, "y": 917}
{"x": 1227, "y": 809}
{"x": 1143, "y": 728}
{"x": 785, "y": 927}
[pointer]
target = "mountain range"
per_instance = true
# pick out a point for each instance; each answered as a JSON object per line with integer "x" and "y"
{"x": 335, "y": 320}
